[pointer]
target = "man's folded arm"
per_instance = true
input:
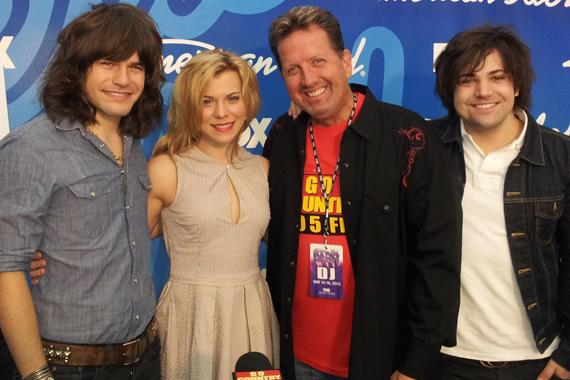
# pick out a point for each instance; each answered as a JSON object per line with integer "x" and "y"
{"x": 26, "y": 183}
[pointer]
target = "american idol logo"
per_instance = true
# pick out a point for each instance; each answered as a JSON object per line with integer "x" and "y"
{"x": 179, "y": 51}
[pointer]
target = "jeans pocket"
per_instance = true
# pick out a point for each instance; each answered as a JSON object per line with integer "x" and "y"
{"x": 62, "y": 372}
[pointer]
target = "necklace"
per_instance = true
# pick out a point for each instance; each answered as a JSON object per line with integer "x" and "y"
{"x": 326, "y": 195}
{"x": 118, "y": 159}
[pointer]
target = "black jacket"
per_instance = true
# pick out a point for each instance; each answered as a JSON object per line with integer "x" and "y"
{"x": 403, "y": 229}
{"x": 537, "y": 214}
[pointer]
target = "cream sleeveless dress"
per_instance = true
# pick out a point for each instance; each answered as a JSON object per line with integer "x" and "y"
{"x": 215, "y": 306}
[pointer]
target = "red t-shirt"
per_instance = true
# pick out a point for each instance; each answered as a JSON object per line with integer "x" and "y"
{"x": 322, "y": 327}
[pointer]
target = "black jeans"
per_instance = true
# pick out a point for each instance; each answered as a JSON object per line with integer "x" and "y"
{"x": 454, "y": 368}
{"x": 147, "y": 368}
{"x": 7, "y": 365}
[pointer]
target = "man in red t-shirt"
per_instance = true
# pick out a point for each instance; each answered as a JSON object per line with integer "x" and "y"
{"x": 363, "y": 255}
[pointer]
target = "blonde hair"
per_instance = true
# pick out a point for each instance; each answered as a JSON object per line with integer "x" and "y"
{"x": 185, "y": 112}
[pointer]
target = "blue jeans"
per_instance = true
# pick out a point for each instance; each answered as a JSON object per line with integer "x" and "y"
{"x": 306, "y": 372}
{"x": 147, "y": 368}
{"x": 454, "y": 368}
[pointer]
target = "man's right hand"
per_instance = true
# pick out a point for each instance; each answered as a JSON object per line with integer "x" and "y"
{"x": 37, "y": 268}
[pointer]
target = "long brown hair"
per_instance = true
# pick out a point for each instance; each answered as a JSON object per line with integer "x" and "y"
{"x": 109, "y": 31}
{"x": 185, "y": 112}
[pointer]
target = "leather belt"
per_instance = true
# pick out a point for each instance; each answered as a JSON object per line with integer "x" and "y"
{"x": 80, "y": 355}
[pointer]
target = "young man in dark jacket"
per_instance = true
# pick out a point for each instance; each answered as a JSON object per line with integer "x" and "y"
{"x": 514, "y": 175}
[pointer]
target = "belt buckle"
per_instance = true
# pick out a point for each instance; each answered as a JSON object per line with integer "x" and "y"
{"x": 53, "y": 354}
{"x": 137, "y": 356}
{"x": 488, "y": 364}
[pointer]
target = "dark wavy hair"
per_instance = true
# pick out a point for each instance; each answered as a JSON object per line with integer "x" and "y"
{"x": 109, "y": 31}
{"x": 302, "y": 18}
{"x": 467, "y": 51}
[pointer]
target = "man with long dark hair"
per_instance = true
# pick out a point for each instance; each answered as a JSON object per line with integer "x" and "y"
{"x": 514, "y": 176}
{"x": 74, "y": 185}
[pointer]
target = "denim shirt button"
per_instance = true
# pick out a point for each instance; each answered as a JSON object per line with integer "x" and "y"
{"x": 93, "y": 194}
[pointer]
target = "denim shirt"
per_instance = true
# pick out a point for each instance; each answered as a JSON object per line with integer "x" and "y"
{"x": 62, "y": 192}
{"x": 537, "y": 217}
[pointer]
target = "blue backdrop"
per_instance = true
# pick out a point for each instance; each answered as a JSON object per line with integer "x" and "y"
{"x": 393, "y": 43}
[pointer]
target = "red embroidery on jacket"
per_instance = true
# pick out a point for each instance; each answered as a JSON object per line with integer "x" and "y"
{"x": 417, "y": 143}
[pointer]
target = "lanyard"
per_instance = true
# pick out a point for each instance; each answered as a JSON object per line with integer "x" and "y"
{"x": 326, "y": 195}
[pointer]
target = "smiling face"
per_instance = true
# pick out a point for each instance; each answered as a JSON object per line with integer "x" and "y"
{"x": 114, "y": 87}
{"x": 485, "y": 99}
{"x": 223, "y": 113}
{"x": 316, "y": 75}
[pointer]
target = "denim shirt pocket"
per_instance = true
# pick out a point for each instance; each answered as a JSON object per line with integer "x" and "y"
{"x": 145, "y": 182}
{"x": 90, "y": 212}
{"x": 547, "y": 214}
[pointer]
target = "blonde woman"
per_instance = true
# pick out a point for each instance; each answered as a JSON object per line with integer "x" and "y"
{"x": 212, "y": 198}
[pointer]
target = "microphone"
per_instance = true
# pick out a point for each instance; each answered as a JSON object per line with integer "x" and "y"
{"x": 255, "y": 366}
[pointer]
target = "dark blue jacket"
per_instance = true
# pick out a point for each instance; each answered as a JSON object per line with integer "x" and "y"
{"x": 537, "y": 214}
